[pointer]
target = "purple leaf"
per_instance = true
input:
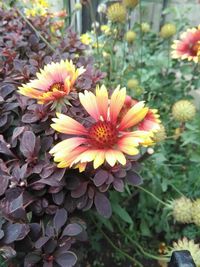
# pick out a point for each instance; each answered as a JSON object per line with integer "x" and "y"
{"x": 72, "y": 229}
{"x": 4, "y": 183}
{"x": 67, "y": 259}
{"x": 31, "y": 259}
{"x": 118, "y": 184}
{"x": 41, "y": 241}
{"x": 58, "y": 198}
{"x": 80, "y": 191}
{"x": 133, "y": 178}
{"x": 60, "y": 219}
{"x": 27, "y": 145}
{"x": 100, "y": 177}
{"x": 102, "y": 205}
{"x": 57, "y": 175}
{"x": 14, "y": 232}
{"x": 17, "y": 131}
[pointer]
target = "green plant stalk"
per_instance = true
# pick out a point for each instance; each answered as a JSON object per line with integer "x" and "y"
{"x": 94, "y": 22}
{"x": 147, "y": 254}
{"x": 152, "y": 195}
{"x": 168, "y": 54}
{"x": 116, "y": 248}
{"x": 36, "y": 31}
{"x": 141, "y": 36}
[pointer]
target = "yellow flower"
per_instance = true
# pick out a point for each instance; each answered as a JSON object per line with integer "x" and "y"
{"x": 130, "y": 3}
{"x": 130, "y": 36}
{"x": 167, "y": 30}
{"x": 30, "y": 12}
{"x": 183, "y": 110}
{"x": 43, "y": 3}
{"x": 86, "y": 39}
{"x": 145, "y": 27}
{"x": 105, "y": 29}
{"x": 160, "y": 135}
{"x": 117, "y": 13}
{"x": 196, "y": 212}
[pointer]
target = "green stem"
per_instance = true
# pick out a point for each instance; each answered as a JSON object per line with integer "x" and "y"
{"x": 168, "y": 54}
{"x": 116, "y": 248}
{"x": 152, "y": 195}
{"x": 141, "y": 36}
{"x": 177, "y": 190}
{"x": 147, "y": 254}
{"x": 36, "y": 31}
{"x": 94, "y": 22}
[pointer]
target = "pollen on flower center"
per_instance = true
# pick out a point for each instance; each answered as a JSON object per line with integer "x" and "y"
{"x": 103, "y": 134}
{"x": 57, "y": 86}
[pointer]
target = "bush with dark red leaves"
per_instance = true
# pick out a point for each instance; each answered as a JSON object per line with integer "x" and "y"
{"x": 40, "y": 224}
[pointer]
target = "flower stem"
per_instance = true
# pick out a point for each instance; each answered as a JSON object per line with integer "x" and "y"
{"x": 141, "y": 37}
{"x": 116, "y": 248}
{"x": 94, "y": 23}
{"x": 152, "y": 195}
{"x": 147, "y": 254}
{"x": 36, "y": 31}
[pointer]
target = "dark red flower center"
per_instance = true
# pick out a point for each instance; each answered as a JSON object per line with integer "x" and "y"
{"x": 57, "y": 86}
{"x": 103, "y": 134}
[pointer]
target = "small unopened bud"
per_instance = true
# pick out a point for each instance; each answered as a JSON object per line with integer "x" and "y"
{"x": 150, "y": 150}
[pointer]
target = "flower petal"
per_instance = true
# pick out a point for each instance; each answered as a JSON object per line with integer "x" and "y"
{"x": 99, "y": 159}
{"x": 67, "y": 125}
{"x": 88, "y": 100}
{"x": 102, "y": 101}
{"x": 111, "y": 157}
{"x": 116, "y": 103}
{"x": 133, "y": 116}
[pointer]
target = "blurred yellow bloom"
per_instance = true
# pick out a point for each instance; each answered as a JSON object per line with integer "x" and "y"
{"x": 130, "y": 36}
{"x": 105, "y": 29}
{"x": 117, "y": 13}
{"x": 145, "y": 27}
{"x": 86, "y": 39}
{"x": 167, "y": 30}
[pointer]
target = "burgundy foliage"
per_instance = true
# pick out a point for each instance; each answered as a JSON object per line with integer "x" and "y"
{"x": 39, "y": 202}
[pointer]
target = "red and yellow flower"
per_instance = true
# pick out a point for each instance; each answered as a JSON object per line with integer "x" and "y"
{"x": 189, "y": 45}
{"x": 109, "y": 137}
{"x": 53, "y": 83}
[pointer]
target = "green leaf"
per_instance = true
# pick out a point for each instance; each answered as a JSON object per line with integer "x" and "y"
{"x": 122, "y": 213}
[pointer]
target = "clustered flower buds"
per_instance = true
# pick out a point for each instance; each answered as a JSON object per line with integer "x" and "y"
{"x": 183, "y": 111}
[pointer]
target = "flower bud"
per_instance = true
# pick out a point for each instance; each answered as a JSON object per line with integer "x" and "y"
{"x": 167, "y": 30}
{"x": 145, "y": 27}
{"x": 160, "y": 135}
{"x": 130, "y": 36}
{"x": 117, "y": 13}
{"x": 182, "y": 210}
{"x": 183, "y": 111}
{"x": 132, "y": 83}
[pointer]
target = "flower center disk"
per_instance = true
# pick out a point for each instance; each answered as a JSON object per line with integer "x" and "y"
{"x": 103, "y": 135}
{"x": 57, "y": 87}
